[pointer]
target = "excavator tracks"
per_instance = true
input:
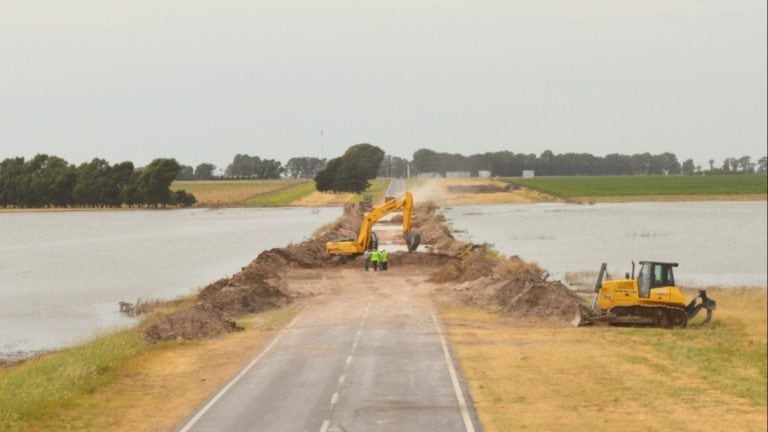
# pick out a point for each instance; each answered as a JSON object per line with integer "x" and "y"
{"x": 648, "y": 316}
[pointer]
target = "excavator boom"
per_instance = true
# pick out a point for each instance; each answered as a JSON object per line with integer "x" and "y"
{"x": 366, "y": 239}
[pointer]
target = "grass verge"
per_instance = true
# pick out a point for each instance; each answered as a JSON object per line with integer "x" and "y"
{"x": 646, "y": 186}
{"x": 119, "y": 383}
{"x": 526, "y": 377}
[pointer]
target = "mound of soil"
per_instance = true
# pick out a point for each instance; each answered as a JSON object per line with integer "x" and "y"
{"x": 198, "y": 322}
{"x": 258, "y": 287}
{"x": 512, "y": 286}
{"x": 526, "y": 295}
{"x": 473, "y": 267}
{"x": 431, "y": 226}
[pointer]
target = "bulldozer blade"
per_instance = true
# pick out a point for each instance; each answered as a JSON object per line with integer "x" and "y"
{"x": 413, "y": 240}
{"x": 583, "y": 317}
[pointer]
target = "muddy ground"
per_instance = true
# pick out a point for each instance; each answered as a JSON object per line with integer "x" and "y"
{"x": 458, "y": 273}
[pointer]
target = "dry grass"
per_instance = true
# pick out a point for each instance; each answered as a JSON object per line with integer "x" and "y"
{"x": 227, "y": 193}
{"x": 530, "y": 376}
{"x": 157, "y": 389}
{"x": 327, "y": 199}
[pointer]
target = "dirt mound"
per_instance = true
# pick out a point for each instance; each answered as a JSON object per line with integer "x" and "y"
{"x": 473, "y": 267}
{"x": 433, "y": 230}
{"x": 198, "y": 322}
{"x": 258, "y": 287}
{"x": 527, "y": 295}
{"x": 512, "y": 286}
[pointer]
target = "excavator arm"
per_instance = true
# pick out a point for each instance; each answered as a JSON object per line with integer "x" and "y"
{"x": 365, "y": 235}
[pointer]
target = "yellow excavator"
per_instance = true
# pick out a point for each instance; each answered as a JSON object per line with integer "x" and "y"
{"x": 650, "y": 300}
{"x": 367, "y": 239}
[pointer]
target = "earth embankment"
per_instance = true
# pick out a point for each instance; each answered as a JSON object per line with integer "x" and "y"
{"x": 462, "y": 273}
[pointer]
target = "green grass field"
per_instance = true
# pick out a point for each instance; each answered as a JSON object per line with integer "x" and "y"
{"x": 621, "y": 186}
{"x": 33, "y": 391}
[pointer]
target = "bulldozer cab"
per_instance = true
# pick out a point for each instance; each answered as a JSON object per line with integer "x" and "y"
{"x": 653, "y": 275}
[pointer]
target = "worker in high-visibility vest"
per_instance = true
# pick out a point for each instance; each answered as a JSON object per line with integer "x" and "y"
{"x": 384, "y": 258}
{"x": 375, "y": 258}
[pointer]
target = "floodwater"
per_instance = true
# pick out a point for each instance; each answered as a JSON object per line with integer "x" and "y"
{"x": 62, "y": 274}
{"x": 715, "y": 243}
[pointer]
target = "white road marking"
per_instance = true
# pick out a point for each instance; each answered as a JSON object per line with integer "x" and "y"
{"x": 325, "y": 425}
{"x": 359, "y": 332}
{"x": 335, "y": 398}
{"x": 454, "y": 379}
{"x": 234, "y": 380}
{"x": 342, "y": 379}
{"x": 349, "y": 359}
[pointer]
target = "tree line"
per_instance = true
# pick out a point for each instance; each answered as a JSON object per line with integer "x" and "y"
{"x": 501, "y": 164}
{"x": 509, "y": 164}
{"x": 50, "y": 181}
{"x": 244, "y": 166}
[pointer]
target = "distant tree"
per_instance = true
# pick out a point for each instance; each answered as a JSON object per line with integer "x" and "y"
{"x": 269, "y": 169}
{"x": 155, "y": 180}
{"x": 49, "y": 181}
{"x": 711, "y": 164}
{"x": 746, "y": 165}
{"x": 351, "y": 172}
{"x": 762, "y": 166}
{"x": 182, "y": 198}
{"x": 325, "y": 180}
{"x": 93, "y": 184}
{"x": 185, "y": 173}
{"x": 304, "y": 167}
{"x": 244, "y": 166}
{"x": 12, "y": 186}
{"x": 688, "y": 167}
{"x": 204, "y": 171}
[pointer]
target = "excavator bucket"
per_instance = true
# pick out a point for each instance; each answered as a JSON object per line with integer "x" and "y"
{"x": 412, "y": 239}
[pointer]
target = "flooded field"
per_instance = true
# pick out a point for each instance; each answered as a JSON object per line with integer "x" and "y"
{"x": 715, "y": 243}
{"x": 62, "y": 274}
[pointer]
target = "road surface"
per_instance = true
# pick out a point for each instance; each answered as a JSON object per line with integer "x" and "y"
{"x": 368, "y": 355}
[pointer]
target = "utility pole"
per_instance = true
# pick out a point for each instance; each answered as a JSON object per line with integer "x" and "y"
{"x": 322, "y": 153}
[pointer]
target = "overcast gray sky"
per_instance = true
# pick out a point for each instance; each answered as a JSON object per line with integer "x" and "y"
{"x": 203, "y": 80}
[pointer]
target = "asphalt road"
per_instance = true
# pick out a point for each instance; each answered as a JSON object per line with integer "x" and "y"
{"x": 368, "y": 356}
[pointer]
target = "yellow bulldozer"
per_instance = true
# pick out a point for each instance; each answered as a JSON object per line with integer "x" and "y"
{"x": 650, "y": 300}
{"x": 367, "y": 239}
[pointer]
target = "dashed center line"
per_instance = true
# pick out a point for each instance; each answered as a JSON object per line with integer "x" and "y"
{"x": 335, "y": 398}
